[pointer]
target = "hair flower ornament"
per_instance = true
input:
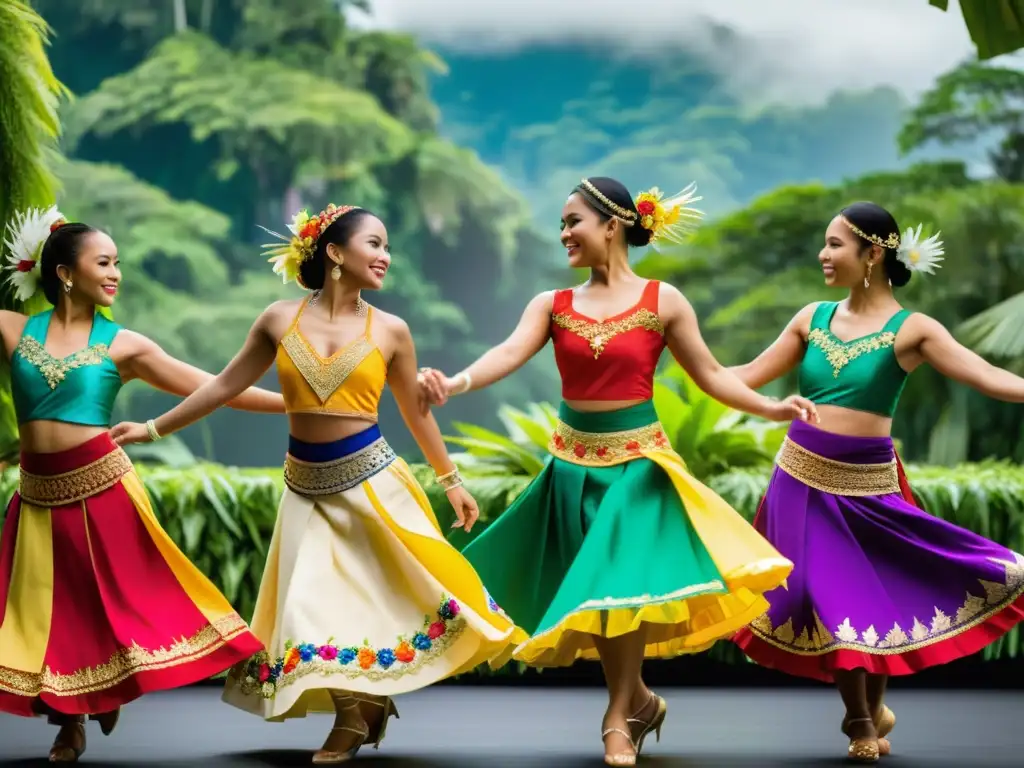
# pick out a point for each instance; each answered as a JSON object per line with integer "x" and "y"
{"x": 23, "y": 241}
{"x": 669, "y": 219}
{"x": 288, "y": 255}
{"x": 920, "y": 255}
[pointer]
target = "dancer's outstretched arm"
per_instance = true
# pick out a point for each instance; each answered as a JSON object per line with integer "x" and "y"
{"x": 513, "y": 353}
{"x": 930, "y": 342}
{"x": 251, "y": 362}
{"x": 782, "y": 356}
{"x": 145, "y": 360}
{"x": 684, "y": 341}
{"x": 424, "y": 429}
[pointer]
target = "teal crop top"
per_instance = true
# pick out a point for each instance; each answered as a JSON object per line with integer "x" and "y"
{"x": 862, "y": 374}
{"x": 78, "y": 389}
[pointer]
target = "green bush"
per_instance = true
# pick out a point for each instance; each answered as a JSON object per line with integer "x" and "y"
{"x": 223, "y": 518}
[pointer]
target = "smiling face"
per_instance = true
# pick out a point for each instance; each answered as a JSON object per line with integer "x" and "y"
{"x": 366, "y": 257}
{"x": 586, "y": 237}
{"x": 96, "y": 275}
{"x": 844, "y": 259}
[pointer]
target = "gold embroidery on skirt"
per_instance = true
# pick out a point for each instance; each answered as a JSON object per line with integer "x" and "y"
{"x": 124, "y": 663}
{"x": 837, "y": 477}
{"x": 71, "y": 487}
{"x": 974, "y": 610}
{"x": 329, "y": 477}
{"x": 603, "y": 449}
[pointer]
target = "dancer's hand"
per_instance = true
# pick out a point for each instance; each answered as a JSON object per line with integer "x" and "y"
{"x": 466, "y": 510}
{"x": 128, "y": 432}
{"x": 792, "y": 408}
{"x": 435, "y": 387}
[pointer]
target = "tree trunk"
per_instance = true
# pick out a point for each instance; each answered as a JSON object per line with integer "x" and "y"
{"x": 180, "y": 19}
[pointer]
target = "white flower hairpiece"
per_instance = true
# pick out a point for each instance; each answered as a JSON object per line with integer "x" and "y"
{"x": 24, "y": 240}
{"x": 920, "y": 255}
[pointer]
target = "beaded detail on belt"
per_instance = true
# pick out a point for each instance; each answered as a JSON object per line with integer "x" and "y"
{"x": 839, "y": 478}
{"x": 602, "y": 449}
{"x": 76, "y": 485}
{"x": 329, "y": 477}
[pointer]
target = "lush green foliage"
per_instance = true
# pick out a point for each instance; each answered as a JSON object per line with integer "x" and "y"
{"x": 996, "y": 26}
{"x": 223, "y": 518}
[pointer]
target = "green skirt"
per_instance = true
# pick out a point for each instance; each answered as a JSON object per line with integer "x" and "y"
{"x": 614, "y": 536}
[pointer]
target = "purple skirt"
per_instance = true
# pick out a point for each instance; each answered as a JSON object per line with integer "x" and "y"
{"x": 878, "y": 583}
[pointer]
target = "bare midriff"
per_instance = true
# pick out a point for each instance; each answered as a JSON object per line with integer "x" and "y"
{"x": 853, "y": 423}
{"x": 55, "y": 436}
{"x": 325, "y": 428}
{"x": 600, "y": 406}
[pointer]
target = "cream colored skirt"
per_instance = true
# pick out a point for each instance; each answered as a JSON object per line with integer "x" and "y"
{"x": 362, "y": 592}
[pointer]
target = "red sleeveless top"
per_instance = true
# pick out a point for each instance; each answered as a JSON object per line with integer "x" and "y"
{"x": 610, "y": 360}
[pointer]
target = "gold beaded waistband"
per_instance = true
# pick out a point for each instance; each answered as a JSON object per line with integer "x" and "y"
{"x": 76, "y": 485}
{"x": 604, "y": 449}
{"x": 324, "y": 478}
{"x": 839, "y": 478}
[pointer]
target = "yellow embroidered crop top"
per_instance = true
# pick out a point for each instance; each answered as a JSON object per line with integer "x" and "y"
{"x": 348, "y": 383}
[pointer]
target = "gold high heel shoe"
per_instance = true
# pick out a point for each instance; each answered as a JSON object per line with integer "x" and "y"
{"x": 619, "y": 758}
{"x": 390, "y": 710}
{"x": 654, "y": 724}
{"x": 68, "y": 752}
{"x": 107, "y": 720}
{"x": 352, "y": 722}
{"x": 883, "y": 725}
{"x": 862, "y": 750}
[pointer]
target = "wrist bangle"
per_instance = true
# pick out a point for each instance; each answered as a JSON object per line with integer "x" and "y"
{"x": 151, "y": 429}
{"x": 466, "y": 386}
{"x": 450, "y": 480}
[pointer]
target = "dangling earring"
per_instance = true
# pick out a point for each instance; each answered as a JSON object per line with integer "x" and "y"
{"x": 336, "y": 272}
{"x": 67, "y": 287}
{"x": 867, "y": 277}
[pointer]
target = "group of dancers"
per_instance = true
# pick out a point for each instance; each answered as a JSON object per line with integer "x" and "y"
{"x": 613, "y": 552}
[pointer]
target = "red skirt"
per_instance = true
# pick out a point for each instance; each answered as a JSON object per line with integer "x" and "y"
{"x": 97, "y": 605}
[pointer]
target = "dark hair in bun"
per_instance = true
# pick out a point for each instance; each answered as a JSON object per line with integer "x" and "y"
{"x": 875, "y": 222}
{"x": 616, "y": 193}
{"x": 313, "y": 271}
{"x": 61, "y": 249}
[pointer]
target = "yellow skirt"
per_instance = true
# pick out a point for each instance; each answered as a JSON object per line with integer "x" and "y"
{"x": 362, "y": 592}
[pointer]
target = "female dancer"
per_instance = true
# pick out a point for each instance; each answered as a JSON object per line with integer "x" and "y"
{"x": 614, "y": 552}
{"x": 362, "y": 596}
{"x": 880, "y": 587}
{"x": 97, "y": 604}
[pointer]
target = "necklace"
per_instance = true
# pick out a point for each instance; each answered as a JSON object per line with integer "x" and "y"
{"x": 361, "y": 306}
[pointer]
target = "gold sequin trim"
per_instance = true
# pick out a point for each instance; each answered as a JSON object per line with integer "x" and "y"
{"x": 599, "y": 334}
{"x": 71, "y": 487}
{"x": 975, "y": 610}
{"x": 326, "y": 478}
{"x": 603, "y": 449}
{"x": 837, "y": 477}
{"x": 124, "y": 663}
{"x": 325, "y": 377}
{"x": 839, "y": 353}
{"x": 54, "y": 370}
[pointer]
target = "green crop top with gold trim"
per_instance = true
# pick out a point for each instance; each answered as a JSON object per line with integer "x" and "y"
{"x": 78, "y": 389}
{"x": 862, "y": 374}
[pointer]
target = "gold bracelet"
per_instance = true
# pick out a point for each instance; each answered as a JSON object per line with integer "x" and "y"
{"x": 151, "y": 429}
{"x": 450, "y": 480}
{"x": 468, "y": 383}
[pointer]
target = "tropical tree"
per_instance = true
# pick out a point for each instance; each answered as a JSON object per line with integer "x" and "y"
{"x": 29, "y": 129}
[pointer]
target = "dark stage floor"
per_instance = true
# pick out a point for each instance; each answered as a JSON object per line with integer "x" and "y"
{"x": 499, "y": 728}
